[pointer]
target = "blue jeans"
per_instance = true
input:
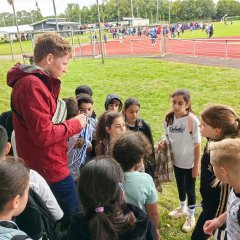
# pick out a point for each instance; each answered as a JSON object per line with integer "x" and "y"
{"x": 65, "y": 191}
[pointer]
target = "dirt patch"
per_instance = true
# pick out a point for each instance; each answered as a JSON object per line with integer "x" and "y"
{"x": 206, "y": 61}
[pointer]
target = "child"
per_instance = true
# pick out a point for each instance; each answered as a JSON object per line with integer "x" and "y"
{"x": 87, "y": 90}
{"x": 37, "y": 184}
{"x": 131, "y": 111}
{"x": 129, "y": 150}
{"x": 106, "y": 215}
{"x": 113, "y": 103}
{"x": 109, "y": 126}
{"x": 182, "y": 128}
{"x": 83, "y": 105}
{"x": 217, "y": 122}
{"x": 225, "y": 159}
{"x": 14, "y": 186}
{"x": 40, "y": 142}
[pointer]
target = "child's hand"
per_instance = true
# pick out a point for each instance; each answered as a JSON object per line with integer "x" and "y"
{"x": 195, "y": 171}
{"x": 161, "y": 145}
{"x": 211, "y": 225}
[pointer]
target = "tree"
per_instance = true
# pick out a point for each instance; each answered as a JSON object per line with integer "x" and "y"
{"x": 73, "y": 12}
{"x": 230, "y": 7}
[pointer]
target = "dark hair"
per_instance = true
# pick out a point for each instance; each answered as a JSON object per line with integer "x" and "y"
{"x": 83, "y": 89}
{"x": 129, "y": 148}
{"x": 13, "y": 181}
{"x": 72, "y": 107}
{"x": 3, "y": 140}
{"x": 47, "y": 43}
{"x": 130, "y": 101}
{"x": 105, "y": 120}
{"x": 223, "y": 117}
{"x": 84, "y": 98}
{"x": 186, "y": 97}
{"x": 99, "y": 186}
{"x": 111, "y": 99}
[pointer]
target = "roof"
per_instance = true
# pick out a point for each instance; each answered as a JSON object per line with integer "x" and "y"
{"x": 13, "y": 29}
{"x": 63, "y": 23}
{"x": 48, "y": 19}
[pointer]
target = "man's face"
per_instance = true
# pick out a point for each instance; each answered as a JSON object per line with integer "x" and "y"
{"x": 58, "y": 65}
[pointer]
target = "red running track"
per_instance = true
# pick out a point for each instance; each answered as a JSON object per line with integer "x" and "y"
{"x": 220, "y": 48}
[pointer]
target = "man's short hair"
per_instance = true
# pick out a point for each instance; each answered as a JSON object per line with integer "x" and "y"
{"x": 3, "y": 140}
{"x": 47, "y": 43}
{"x": 84, "y": 98}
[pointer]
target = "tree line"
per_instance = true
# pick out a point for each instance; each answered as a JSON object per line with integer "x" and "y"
{"x": 155, "y": 10}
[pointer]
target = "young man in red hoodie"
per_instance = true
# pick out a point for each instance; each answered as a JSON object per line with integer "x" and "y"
{"x": 40, "y": 142}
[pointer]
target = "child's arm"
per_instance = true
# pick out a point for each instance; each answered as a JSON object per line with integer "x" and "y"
{"x": 197, "y": 157}
{"x": 211, "y": 225}
{"x": 152, "y": 212}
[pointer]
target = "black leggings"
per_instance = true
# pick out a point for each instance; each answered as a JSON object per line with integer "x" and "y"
{"x": 185, "y": 185}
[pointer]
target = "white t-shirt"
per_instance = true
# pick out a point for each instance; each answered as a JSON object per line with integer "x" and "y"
{"x": 233, "y": 227}
{"x": 182, "y": 141}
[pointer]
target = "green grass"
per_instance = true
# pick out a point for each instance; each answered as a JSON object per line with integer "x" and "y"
{"x": 151, "y": 81}
{"x": 220, "y": 30}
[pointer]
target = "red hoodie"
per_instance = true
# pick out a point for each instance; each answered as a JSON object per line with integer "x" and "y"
{"x": 39, "y": 142}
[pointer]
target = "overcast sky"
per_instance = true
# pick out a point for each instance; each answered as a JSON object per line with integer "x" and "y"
{"x": 46, "y": 6}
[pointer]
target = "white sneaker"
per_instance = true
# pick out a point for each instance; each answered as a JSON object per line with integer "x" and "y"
{"x": 189, "y": 224}
{"x": 177, "y": 213}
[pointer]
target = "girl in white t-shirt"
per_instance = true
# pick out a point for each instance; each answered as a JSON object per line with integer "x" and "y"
{"x": 182, "y": 128}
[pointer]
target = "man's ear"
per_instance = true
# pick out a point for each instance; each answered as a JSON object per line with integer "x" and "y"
{"x": 49, "y": 58}
{"x": 7, "y": 148}
{"x": 224, "y": 171}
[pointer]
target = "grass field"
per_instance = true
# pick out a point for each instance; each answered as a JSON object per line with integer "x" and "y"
{"x": 220, "y": 30}
{"x": 151, "y": 81}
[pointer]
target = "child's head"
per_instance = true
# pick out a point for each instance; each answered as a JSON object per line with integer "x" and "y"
{"x": 130, "y": 149}
{"x": 83, "y": 89}
{"x": 52, "y": 53}
{"x": 14, "y": 186}
{"x": 225, "y": 159}
{"x": 181, "y": 105}
{"x": 110, "y": 125}
{"x": 85, "y": 104}
{"x": 131, "y": 110}
{"x": 72, "y": 107}
{"x": 100, "y": 188}
{"x": 4, "y": 144}
{"x": 113, "y": 103}
{"x": 218, "y": 122}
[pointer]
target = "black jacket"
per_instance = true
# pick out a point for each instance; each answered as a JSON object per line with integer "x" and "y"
{"x": 214, "y": 198}
{"x": 144, "y": 229}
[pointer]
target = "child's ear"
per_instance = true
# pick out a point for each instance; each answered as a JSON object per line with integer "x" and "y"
{"x": 218, "y": 131}
{"x": 49, "y": 58}
{"x": 15, "y": 202}
{"x": 224, "y": 171}
{"x": 107, "y": 129}
{"x": 7, "y": 148}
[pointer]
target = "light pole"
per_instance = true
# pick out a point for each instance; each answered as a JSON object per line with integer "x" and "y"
{"x": 157, "y": 13}
{"x": 55, "y": 12}
{"x": 169, "y": 12}
{"x": 132, "y": 10}
{"x": 137, "y": 12}
{"x": 11, "y": 2}
{"x": 100, "y": 31}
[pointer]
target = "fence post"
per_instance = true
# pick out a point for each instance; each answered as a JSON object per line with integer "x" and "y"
{"x": 93, "y": 49}
{"x": 105, "y": 48}
{"x": 160, "y": 46}
{"x": 226, "y": 50}
{"x": 131, "y": 47}
{"x": 74, "y": 52}
{"x": 170, "y": 50}
{"x": 79, "y": 43}
{"x": 194, "y": 48}
{"x": 11, "y": 46}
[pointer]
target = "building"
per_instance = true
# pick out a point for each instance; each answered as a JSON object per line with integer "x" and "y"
{"x": 49, "y": 24}
{"x": 136, "y": 21}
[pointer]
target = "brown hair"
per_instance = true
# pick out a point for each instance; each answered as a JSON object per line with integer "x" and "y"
{"x": 187, "y": 99}
{"x": 224, "y": 118}
{"x": 129, "y": 148}
{"x": 3, "y": 140}
{"x": 100, "y": 186}
{"x": 13, "y": 181}
{"x": 50, "y": 43}
{"x": 72, "y": 107}
{"x": 105, "y": 120}
{"x": 84, "y": 98}
{"x": 226, "y": 153}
